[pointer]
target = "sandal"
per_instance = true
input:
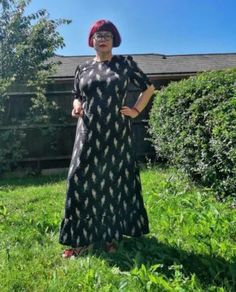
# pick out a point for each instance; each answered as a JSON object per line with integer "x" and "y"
{"x": 77, "y": 251}
{"x": 72, "y": 252}
{"x": 111, "y": 247}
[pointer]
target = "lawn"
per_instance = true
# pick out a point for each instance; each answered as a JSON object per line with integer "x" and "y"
{"x": 191, "y": 247}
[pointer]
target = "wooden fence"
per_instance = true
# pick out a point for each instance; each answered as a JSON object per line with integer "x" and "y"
{"x": 45, "y": 150}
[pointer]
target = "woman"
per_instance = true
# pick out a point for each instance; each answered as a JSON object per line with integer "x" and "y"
{"x": 104, "y": 199}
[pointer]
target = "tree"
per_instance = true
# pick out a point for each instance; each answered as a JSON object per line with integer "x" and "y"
{"x": 27, "y": 42}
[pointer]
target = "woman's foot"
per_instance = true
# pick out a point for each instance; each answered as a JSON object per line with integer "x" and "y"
{"x": 72, "y": 252}
{"x": 111, "y": 247}
{"x": 75, "y": 252}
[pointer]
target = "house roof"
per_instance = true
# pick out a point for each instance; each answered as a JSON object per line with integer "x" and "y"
{"x": 157, "y": 64}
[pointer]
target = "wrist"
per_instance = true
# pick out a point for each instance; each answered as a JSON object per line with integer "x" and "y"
{"x": 136, "y": 110}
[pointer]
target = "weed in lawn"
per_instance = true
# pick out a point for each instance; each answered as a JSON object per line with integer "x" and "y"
{"x": 191, "y": 246}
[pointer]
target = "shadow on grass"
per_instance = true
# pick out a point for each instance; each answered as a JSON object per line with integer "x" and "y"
{"x": 39, "y": 180}
{"x": 148, "y": 251}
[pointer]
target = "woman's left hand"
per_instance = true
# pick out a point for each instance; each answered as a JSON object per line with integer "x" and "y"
{"x": 127, "y": 111}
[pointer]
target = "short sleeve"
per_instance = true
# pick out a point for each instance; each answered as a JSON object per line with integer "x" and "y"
{"x": 76, "y": 90}
{"x": 137, "y": 76}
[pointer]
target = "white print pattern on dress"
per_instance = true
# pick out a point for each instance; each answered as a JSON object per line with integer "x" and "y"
{"x": 117, "y": 109}
{"x": 111, "y": 191}
{"x": 77, "y": 212}
{"x": 133, "y": 231}
{"x": 91, "y": 73}
{"x": 103, "y": 159}
{"x": 93, "y": 177}
{"x": 85, "y": 233}
{"x": 129, "y": 140}
{"x": 116, "y": 89}
{"x": 95, "y": 161}
{"x": 109, "y": 101}
{"x": 76, "y": 179}
{"x": 104, "y": 168}
{"x": 111, "y": 175}
{"x": 94, "y": 210}
{"x": 99, "y": 110}
{"x": 77, "y": 196}
{"x": 119, "y": 181}
{"x": 94, "y": 193}
{"x": 89, "y": 152}
{"x": 100, "y": 67}
{"x": 125, "y": 205}
{"x": 86, "y": 185}
{"x": 90, "y": 135}
{"x": 128, "y": 156}
{"x": 117, "y": 66}
{"x": 106, "y": 151}
{"x": 108, "y": 134}
{"x": 111, "y": 209}
{"x": 99, "y": 128}
{"x": 86, "y": 202}
{"x": 89, "y": 82}
{"x": 120, "y": 165}
{"x": 108, "y": 70}
{"x": 102, "y": 184}
{"x": 123, "y": 133}
{"x": 115, "y": 142}
{"x": 99, "y": 92}
{"x": 69, "y": 203}
{"x": 117, "y": 126}
{"x": 71, "y": 231}
{"x": 86, "y": 169}
{"x": 108, "y": 118}
{"x": 108, "y": 81}
{"x": 97, "y": 144}
{"x": 113, "y": 159}
{"x": 103, "y": 200}
{"x": 65, "y": 237}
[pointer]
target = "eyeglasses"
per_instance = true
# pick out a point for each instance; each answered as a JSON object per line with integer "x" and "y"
{"x": 99, "y": 35}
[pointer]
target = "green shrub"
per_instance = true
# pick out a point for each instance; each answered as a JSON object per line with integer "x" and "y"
{"x": 193, "y": 126}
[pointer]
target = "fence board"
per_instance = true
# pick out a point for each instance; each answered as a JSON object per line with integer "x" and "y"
{"x": 49, "y": 151}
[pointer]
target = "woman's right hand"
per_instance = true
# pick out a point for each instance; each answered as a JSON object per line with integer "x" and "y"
{"x": 77, "y": 109}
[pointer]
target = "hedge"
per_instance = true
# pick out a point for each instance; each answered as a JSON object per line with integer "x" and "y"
{"x": 193, "y": 126}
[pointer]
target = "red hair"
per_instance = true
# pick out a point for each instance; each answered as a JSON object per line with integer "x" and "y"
{"x": 105, "y": 25}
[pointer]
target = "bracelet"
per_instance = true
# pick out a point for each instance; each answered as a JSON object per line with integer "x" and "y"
{"x": 134, "y": 108}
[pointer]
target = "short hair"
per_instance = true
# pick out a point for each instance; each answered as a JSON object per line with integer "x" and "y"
{"x": 105, "y": 25}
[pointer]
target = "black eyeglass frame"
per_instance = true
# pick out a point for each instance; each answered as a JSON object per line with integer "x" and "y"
{"x": 106, "y": 36}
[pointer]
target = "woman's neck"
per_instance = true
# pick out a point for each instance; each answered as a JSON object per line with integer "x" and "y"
{"x": 103, "y": 57}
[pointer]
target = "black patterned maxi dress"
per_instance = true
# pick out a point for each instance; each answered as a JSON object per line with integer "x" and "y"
{"x": 104, "y": 200}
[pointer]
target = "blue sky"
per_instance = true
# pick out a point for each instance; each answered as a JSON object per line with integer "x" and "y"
{"x": 155, "y": 26}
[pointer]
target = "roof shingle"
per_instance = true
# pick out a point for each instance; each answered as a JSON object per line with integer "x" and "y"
{"x": 157, "y": 64}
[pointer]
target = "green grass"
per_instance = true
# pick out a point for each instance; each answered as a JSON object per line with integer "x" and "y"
{"x": 191, "y": 247}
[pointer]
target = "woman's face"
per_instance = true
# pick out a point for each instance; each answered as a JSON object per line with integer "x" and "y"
{"x": 102, "y": 41}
